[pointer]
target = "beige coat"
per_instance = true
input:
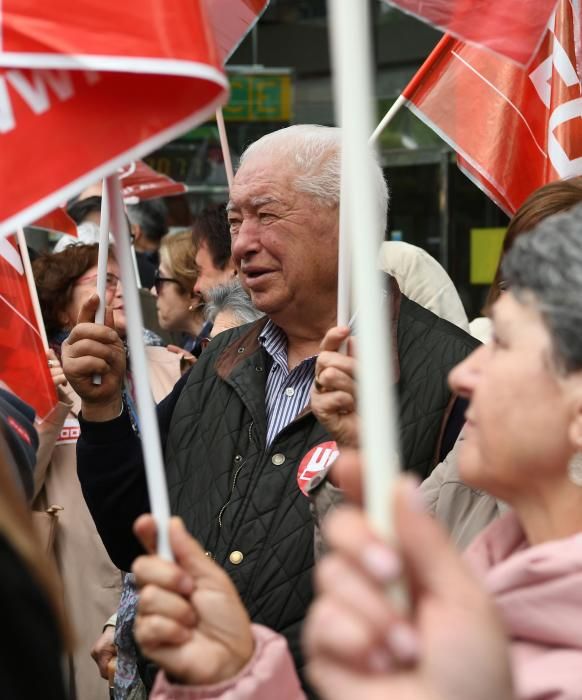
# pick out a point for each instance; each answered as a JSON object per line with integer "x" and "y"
{"x": 92, "y": 584}
{"x": 463, "y": 510}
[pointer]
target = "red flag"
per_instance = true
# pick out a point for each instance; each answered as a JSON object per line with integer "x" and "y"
{"x": 23, "y": 363}
{"x": 513, "y": 28}
{"x": 514, "y": 129}
{"x": 93, "y": 85}
{"x": 138, "y": 182}
{"x": 231, "y": 20}
{"x": 57, "y": 220}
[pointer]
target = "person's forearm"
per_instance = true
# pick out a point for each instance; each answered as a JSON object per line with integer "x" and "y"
{"x": 112, "y": 476}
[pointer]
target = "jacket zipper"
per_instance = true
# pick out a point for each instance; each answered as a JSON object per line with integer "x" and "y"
{"x": 234, "y": 480}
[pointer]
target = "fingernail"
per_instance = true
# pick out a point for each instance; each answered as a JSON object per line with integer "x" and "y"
{"x": 380, "y": 661}
{"x": 403, "y": 643}
{"x": 381, "y": 562}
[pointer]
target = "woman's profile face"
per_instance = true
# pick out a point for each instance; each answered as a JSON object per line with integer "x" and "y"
{"x": 172, "y": 302}
{"x": 516, "y": 435}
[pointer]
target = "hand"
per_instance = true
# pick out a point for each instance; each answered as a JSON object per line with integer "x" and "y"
{"x": 95, "y": 349}
{"x": 104, "y": 650}
{"x": 187, "y": 360}
{"x": 333, "y": 397}
{"x": 190, "y": 619}
{"x": 57, "y": 374}
{"x": 451, "y": 648}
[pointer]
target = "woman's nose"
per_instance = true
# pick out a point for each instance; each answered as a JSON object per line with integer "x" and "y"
{"x": 464, "y": 377}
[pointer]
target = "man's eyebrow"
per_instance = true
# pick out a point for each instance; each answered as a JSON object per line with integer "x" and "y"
{"x": 265, "y": 199}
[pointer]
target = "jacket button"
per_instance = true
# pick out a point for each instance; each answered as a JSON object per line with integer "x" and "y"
{"x": 236, "y": 557}
{"x": 278, "y": 459}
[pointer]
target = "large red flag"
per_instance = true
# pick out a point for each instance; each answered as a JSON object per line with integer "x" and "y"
{"x": 513, "y": 28}
{"x": 86, "y": 87}
{"x": 514, "y": 129}
{"x": 23, "y": 363}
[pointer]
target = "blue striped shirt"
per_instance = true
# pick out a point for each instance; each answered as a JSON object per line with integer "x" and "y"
{"x": 287, "y": 392}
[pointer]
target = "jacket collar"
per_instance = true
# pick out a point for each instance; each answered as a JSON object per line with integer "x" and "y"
{"x": 246, "y": 345}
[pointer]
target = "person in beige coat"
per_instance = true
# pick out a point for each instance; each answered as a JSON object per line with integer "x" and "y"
{"x": 91, "y": 583}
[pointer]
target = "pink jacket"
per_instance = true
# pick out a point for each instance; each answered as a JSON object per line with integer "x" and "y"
{"x": 269, "y": 674}
{"x": 538, "y": 591}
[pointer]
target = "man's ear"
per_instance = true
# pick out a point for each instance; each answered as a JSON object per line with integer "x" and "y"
{"x": 137, "y": 232}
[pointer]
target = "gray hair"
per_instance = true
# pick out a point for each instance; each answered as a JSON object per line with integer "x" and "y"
{"x": 232, "y": 298}
{"x": 316, "y": 152}
{"x": 546, "y": 264}
{"x": 152, "y": 216}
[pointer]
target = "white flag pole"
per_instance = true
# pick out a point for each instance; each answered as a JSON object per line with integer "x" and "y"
{"x": 388, "y": 117}
{"x": 224, "y": 147}
{"x": 31, "y": 286}
{"x": 150, "y": 436}
{"x": 102, "y": 258}
{"x": 350, "y": 28}
{"x": 104, "y": 226}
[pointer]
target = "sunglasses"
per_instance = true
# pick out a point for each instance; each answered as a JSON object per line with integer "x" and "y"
{"x": 159, "y": 281}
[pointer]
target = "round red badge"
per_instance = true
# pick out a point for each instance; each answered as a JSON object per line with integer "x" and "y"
{"x": 315, "y": 463}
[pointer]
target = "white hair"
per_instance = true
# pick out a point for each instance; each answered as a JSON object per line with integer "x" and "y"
{"x": 316, "y": 153}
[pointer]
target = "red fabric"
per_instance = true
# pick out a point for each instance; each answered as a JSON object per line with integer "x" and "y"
{"x": 231, "y": 20}
{"x": 23, "y": 362}
{"x": 57, "y": 220}
{"x": 515, "y": 129}
{"x": 152, "y": 72}
{"x": 513, "y": 28}
{"x": 138, "y": 182}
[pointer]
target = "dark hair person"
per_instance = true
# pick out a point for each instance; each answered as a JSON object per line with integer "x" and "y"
{"x": 547, "y": 200}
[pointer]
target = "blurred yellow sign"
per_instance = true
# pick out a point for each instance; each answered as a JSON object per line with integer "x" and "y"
{"x": 262, "y": 97}
{"x": 485, "y": 251}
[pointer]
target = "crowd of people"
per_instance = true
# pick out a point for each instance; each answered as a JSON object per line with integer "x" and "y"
{"x": 279, "y": 587}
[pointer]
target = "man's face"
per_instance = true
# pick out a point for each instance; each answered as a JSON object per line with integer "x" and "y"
{"x": 209, "y": 276}
{"x": 284, "y": 242}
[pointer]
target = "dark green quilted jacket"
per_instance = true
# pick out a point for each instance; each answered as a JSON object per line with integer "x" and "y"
{"x": 241, "y": 500}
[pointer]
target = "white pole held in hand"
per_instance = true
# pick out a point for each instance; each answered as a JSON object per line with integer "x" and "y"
{"x": 103, "y": 256}
{"x": 148, "y": 422}
{"x": 354, "y": 97}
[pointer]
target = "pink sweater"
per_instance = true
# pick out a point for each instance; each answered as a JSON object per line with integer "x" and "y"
{"x": 538, "y": 591}
{"x": 269, "y": 674}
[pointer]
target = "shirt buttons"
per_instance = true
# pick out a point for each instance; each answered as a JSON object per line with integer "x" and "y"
{"x": 278, "y": 459}
{"x": 289, "y": 391}
{"x": 236, "y": 557}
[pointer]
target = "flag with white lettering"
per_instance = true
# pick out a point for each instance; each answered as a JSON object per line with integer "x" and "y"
{"x": 515, "y": 129}
{"x": 86, "y": 87}
{"x": 512, "y": 28}
{"x": 23, "y": 362}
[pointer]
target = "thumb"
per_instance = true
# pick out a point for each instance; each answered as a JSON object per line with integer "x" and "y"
{"x": 334, "y": 338}
{"x": 88, "y": 309}
{"x": 433, "y": 564}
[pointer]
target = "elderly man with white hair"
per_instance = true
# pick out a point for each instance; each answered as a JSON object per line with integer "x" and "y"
{"x": 239, "y": 437}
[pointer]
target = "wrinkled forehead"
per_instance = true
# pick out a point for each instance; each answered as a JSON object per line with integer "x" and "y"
{"x": 260, "y": 180}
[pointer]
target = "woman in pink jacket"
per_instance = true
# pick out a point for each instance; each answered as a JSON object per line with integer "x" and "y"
{"x": 522, "y": 444}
